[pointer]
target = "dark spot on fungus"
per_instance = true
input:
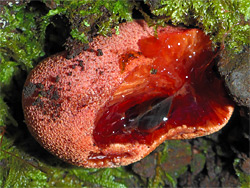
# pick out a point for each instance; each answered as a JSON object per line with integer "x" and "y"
{"x": 57, "y": 78}
{"x": 29, "y": 90}
{"x": 51, "y": 87}
{"x": 37, "y": 101}
{"x": 74, "y": 66}
{"x": 55, "y": 95}
{"x": 153, "y": 71}
{"x": 53, "y": 104}
{"x": 99, "y": 52}
{"x": 40, "y": 85}
{"x": 70, "y": 74}
{"x": 81, "y": 64}
{"x": 41, "y": 104}
{"x": 126, "y": 58}
{"x": 130, "y": 55}
{"x": 43, "y": 93}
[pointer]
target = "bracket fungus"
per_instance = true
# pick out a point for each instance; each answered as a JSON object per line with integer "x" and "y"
{"x": 115, "y": 107}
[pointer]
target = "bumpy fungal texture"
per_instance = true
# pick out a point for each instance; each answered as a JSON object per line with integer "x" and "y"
{"x": 81, "y": 109}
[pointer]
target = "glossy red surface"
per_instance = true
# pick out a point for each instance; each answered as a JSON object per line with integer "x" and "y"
{"x": 182, "y": 67}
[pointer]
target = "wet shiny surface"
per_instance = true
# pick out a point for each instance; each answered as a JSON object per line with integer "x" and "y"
{"x": 183, "y": 90}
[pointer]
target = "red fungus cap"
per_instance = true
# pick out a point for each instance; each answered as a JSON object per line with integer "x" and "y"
{"x": 116, "y": 102}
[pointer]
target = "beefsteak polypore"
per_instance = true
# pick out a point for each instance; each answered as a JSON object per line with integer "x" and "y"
{"x": 114, "y": 103}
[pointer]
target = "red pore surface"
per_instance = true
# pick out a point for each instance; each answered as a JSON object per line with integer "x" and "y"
{"x": 114, "y": 109}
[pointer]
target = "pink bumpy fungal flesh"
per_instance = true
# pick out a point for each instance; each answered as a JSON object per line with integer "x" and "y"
{"x": 93, "y": 110}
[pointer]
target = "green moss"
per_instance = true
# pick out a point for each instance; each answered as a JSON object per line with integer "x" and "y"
{"x": 15, "y": 171}
{"x": 20, "y": 45}
{"x": 105, "y": 177}
{"x": 18, "y": 169}
{"x": 20, "y": 39}
{"x": 89, "y": 18}
{"x": 5, "y": 117}
{"x": 224, "y": 20}
{"x": 172, "y": 161}
{"x": 197, "y": 163}
{"x": 243, "y": 176}
{"x": 7, "y": 70}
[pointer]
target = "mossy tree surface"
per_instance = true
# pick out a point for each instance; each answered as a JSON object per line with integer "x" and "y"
{"x": 22, "y": 45}
{"x": 225, "y": 21}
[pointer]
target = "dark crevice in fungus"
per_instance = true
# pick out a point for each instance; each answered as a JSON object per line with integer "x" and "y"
{"x": 193, "y": 87}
